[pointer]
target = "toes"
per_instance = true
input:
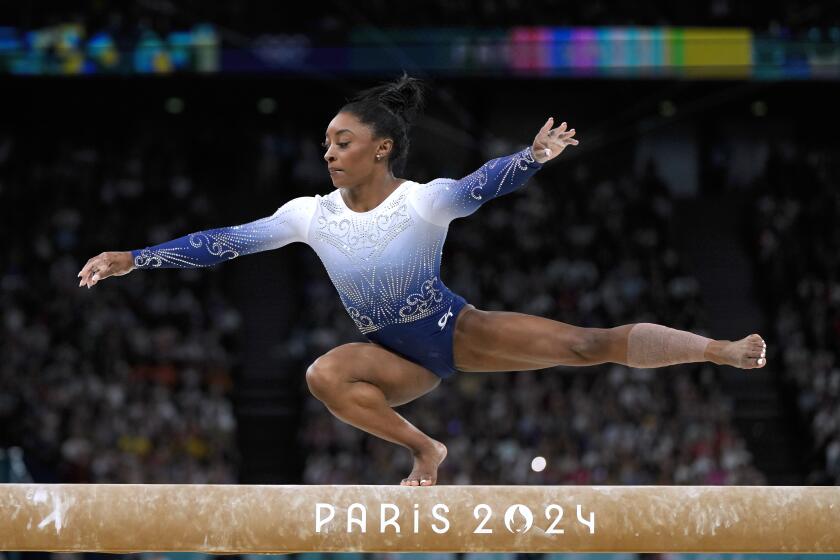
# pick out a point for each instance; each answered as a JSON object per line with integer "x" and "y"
{"x": 416, "y": 482}
{"x": 753, "y": 361}
{"x": 758, "y": 352}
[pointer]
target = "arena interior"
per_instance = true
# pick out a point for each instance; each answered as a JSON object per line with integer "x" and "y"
{"x": 704, "y": 195}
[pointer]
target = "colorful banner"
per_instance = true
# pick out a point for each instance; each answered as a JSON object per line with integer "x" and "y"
{"x": 596, "y": 52}
{"x": 68, "y": 50}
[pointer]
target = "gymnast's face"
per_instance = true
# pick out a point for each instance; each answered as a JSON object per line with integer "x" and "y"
{"x": 352, "y": 150}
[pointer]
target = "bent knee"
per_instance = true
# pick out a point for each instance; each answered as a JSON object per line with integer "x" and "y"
{"x": 323, "y": 377}
{"x": 328, "y": 374}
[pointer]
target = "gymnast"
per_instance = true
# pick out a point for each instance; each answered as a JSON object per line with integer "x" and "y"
{"x": 380, "y": 239}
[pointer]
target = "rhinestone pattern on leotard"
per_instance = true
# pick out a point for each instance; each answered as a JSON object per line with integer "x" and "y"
{"x": 209, "y": 247}
{"x": 446, "y": 199}
{"x": 385, "y": 263}
{"x": 375, "y": 274}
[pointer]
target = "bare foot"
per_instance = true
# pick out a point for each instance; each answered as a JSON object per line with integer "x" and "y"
{"x": 747, "y": 353}
{"x": 426, "y": 465}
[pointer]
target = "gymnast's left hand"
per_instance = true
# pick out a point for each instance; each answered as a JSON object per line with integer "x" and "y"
{"x": 550, "y": 142}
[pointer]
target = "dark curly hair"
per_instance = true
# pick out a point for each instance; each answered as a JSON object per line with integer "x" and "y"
{"x": 390, "y": 110}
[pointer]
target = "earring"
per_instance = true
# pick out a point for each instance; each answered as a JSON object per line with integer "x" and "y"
{"x": 378, "y": 157}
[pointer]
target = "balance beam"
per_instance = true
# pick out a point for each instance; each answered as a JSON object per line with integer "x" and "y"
{"x": 280, "y": 519}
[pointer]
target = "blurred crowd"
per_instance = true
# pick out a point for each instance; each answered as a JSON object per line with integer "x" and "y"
{"x": 129, "y": 381}
{"x": 132, "y": 381}
{"x": 796, "y": 237}
{"x": 592, "y": 251}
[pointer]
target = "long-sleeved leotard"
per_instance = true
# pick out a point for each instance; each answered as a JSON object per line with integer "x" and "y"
{"x": 385, "y": 263}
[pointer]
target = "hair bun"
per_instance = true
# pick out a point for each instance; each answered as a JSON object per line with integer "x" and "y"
{"x": 404, "y": 97}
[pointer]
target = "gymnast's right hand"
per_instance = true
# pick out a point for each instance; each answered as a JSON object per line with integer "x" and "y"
{"x": 103, "y": 265}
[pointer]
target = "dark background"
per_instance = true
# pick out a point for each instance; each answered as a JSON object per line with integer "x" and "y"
{"x": 704, "y": 205}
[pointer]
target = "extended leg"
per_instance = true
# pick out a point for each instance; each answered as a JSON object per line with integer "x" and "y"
{"x": 360, "y": 382}
{"x": 505, "y": 341}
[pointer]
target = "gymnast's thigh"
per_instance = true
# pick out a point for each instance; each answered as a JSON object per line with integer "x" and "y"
{"x": 509, "y": 341}
{"x": 399, "y": 379}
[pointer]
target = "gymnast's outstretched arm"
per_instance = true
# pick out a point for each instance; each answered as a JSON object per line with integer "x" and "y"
{"x": 442, "y": 200}
{"x": 288, "y": 224}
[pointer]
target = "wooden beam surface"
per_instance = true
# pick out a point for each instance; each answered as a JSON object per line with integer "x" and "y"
{"x": 254, "y": 519}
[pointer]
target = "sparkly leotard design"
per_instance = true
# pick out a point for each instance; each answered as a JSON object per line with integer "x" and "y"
{"x": 385, "y": 263}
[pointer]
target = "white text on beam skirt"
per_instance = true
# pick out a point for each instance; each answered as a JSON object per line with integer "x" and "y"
{"x": 255, "y": 519}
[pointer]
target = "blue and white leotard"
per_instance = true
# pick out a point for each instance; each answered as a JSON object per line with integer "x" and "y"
{"x": 385, "y": 263}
